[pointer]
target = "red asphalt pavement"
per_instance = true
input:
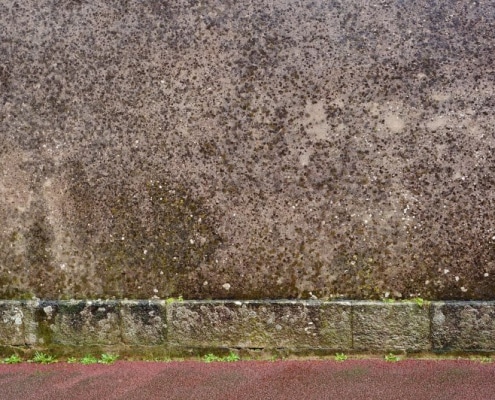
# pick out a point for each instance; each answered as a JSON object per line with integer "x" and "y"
{"x": 263, "y": 380}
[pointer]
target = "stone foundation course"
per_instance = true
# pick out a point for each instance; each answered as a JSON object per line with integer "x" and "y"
{"x": 177, "y": 327}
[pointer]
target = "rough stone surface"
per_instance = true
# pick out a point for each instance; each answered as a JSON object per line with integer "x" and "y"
{"x": 388, "y": 327}
{"x": 82, "y": 323}
{"x": 16, "y": 319}
{"x": 143, "y": 322}
{"x": 259, "y": 325}
{"x": 462, "y": 327}
{"x": 176, "y": 328}
{"x": 247, "y": 150}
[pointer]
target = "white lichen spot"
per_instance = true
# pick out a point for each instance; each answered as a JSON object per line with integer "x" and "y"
{"x": 446, "y": 271}
{"x": 155, "y": 290}
{"x": 463, "y": 289}
{"x": 394, "y": 123}
{"x": 439, "y": 318}
{"x": 226, "y": 286}
{"x": 486, "y": 274}
{"x": 457, "y": 279}
{"x": 145, "y": 251}
{"x": 191, "y": 241}
{"x": 205, "y": 283}
{"x": 18, "y": 317}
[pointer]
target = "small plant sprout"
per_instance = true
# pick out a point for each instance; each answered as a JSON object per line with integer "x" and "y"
{"x": 171, "y": 300}
{"x": 420, "y": 302}
{"x": 88, "y": 359}
{"x": 340, "y": 357}
{"x": 232, "y": 357}
{"x": 390, "y": 357}
{"x": 13, "y": 359}
{"x": 71, "y": 360}
{"x": 108, "y": 358}
{"x": 43, "y": 358}
{"x": 211, "y": 358}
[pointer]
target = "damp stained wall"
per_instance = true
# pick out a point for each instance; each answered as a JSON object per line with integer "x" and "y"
{"x": 247, "y": 150}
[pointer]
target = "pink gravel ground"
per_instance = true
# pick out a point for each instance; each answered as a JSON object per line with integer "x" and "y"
{"x": 263, "y": 380}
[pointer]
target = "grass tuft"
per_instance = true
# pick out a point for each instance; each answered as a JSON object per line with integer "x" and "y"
{"x": 42, "y": 358}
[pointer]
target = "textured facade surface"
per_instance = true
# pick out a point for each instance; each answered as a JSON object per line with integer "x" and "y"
{"x": 179, "y": 328}
{"x": 397, "y": 326}
{"x": 246, "y": 150}
{"x": 463, "y": 326}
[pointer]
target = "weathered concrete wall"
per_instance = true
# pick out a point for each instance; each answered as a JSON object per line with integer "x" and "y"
{"x": 261, "y": 149}
{"x": 290, "y": 327}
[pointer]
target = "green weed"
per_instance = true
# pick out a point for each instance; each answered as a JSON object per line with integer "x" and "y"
{"x": 88, "y": 359}
{"x": 340, "y": 357}
{"x": 13, "y": 359}
{"x": 392, "y": 357}
{"x": 42, "y": 358}
{"x": 420, "y": 302}
{"x": 108, "y": 358}
{"x": 171, "y": 300}
{"x": 232, "y": 357}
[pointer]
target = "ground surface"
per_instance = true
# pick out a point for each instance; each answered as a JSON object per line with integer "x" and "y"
{"x": 352, "y": 379}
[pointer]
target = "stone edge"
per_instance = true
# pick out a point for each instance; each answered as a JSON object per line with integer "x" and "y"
{"x": 179, "y": 327}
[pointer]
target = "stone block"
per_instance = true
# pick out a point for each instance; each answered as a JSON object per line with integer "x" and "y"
{"x": 16, "y": 319}
{"x": 143, "y": 322}
{"x": 463, "y": 326}
{"x": 335, "y": 325}
{"x": 285, "y": 324}
{"x": 81, "y": 322}
{"x": 381, "y": 326}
